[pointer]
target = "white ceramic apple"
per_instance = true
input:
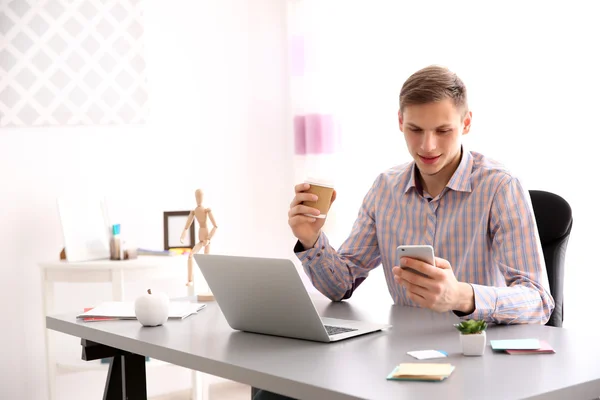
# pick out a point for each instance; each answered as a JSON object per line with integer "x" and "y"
{"x": 152, "y": 309}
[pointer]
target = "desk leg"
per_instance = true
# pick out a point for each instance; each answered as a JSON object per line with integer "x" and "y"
{"x": 196, "y": 377}
{"x": 117, "y": 285}
{"x": 47, "y": 309}
{"x": 126, "y": 378}
{"x": 113, "y": 389}
{"x": 196, "y": 385}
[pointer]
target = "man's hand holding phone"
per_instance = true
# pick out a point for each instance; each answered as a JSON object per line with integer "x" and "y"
{"x": 434, "y": 286}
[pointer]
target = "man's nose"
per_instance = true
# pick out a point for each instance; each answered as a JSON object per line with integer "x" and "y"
{"x": 428, "y": 143}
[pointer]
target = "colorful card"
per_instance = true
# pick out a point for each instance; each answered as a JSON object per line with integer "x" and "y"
{"x": 427, "y": 354}
{"x": 515, "y": 344}
{"x": 544, "y": 349}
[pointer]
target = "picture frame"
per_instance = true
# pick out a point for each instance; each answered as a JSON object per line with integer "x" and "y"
{"x": 85, "y": 226}
{"x": 173, "y": 225}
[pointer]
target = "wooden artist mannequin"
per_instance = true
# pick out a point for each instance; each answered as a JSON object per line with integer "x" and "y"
{"x": 202, "y": 215}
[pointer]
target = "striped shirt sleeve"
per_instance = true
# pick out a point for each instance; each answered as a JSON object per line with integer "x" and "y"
{"x": 337, "y": 274}
{"x": 518, "y": 254}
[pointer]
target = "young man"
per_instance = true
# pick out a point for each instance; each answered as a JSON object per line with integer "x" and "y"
{"x": 476, "y": 215}
{"x": 478, "y": 218}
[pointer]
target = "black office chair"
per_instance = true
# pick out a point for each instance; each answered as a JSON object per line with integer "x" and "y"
{"x": 554, "y": 220}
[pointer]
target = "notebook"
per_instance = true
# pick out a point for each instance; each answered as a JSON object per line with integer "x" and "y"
{"x": 126, "y": 310}
{"x": 433, "y": 372}
{"x": 93, "y": 319}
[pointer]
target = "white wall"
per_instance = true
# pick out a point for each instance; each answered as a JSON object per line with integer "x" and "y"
{"x": 219, "y": 122}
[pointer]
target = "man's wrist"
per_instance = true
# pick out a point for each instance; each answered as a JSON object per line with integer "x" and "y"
{"x": 310, "y": 243}
{"x": 466, "y": 298}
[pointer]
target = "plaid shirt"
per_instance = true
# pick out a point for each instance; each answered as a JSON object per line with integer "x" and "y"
{"x": 482, "y": 223}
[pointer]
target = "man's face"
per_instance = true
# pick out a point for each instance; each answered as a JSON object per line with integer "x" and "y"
{"x": 433, "y": 135}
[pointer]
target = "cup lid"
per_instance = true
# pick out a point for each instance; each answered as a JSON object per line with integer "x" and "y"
{"x": 319, "y": 182}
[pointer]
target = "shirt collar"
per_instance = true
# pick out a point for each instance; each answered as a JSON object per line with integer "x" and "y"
{"x": 460, "y": 180}
{"x": 412, "y": 181}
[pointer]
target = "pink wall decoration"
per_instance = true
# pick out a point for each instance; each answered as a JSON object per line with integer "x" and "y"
{"x": 316, "y": 134}
{"x": 299, "y": 134}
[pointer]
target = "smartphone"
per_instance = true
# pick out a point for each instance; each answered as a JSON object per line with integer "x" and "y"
{"x": 420, "y": 252}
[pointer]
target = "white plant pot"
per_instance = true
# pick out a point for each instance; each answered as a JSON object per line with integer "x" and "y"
{"x": 473, "y": 344}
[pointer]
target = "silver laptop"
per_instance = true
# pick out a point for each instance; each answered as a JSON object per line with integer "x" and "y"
{"x": 267, "y": 296}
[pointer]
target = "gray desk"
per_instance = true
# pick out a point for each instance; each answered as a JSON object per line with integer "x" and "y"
{"x": 357, "y": 367}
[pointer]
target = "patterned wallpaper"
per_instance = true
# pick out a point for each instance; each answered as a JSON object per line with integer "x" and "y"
{"x": 71, "y": 62}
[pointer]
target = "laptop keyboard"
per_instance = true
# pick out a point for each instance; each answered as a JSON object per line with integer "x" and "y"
{"x": 336, "y": 330}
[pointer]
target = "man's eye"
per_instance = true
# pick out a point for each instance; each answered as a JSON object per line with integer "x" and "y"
{"x": 445, "y": 131}
{"x": 416, "y": 130}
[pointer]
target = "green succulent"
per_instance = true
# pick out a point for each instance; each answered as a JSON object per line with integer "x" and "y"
{"x": 471, "y": 326}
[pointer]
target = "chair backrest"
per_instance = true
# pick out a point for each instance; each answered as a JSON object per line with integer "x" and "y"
{"x": 554, "y": 221}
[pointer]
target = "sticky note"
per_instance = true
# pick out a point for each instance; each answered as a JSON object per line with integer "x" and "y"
{"x": 421, "y": 372}
{"x": 427, "y": 354}
{"x": 515, "y": 344}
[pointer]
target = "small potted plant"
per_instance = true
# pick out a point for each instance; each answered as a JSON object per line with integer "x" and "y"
{"x": 472, "y": 336}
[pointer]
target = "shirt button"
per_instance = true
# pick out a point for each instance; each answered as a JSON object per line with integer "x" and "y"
{"x": 322, "y": 247}
{"x": 318, "y": 254}
{"x": 309, "y": 257}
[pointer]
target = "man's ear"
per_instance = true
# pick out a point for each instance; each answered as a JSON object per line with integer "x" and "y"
{"x": 400, "y": 121}
{"x": 467, "y": 122}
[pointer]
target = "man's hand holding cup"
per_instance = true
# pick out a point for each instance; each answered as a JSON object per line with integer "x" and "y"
{"x": 309, "y": 209}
